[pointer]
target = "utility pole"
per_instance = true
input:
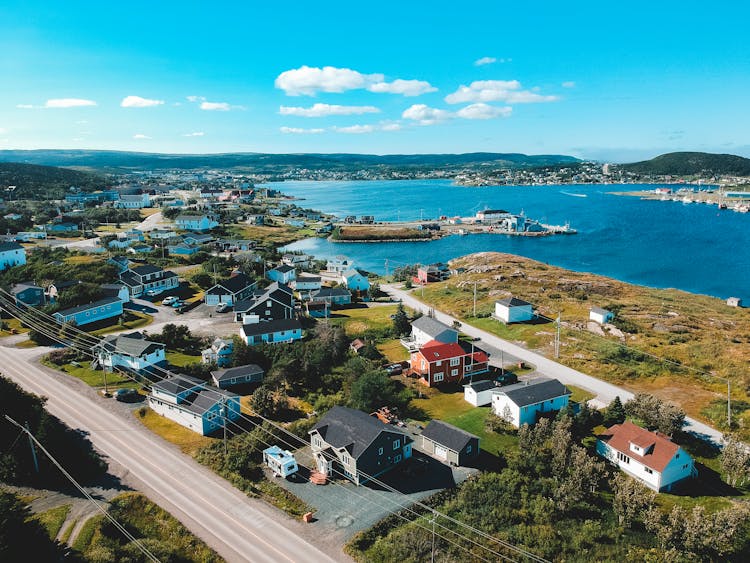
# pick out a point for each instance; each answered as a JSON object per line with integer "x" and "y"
{"x": 729, "y": 404}
{"x": 557, "y": 337}
{"x": 222, "y": 411}
{"x": 475, "y": 300}
{"x": 33, "y": 449}
{"x": 432, "y": 557}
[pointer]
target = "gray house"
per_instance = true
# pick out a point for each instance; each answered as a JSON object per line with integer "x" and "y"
{"x": 225, "y": 378}
{"x": 425, "y": 329}
{"x": 231, "y": 290}
{"x": 272, "y": 303}
{"x": 448, "y": 443}
{"x": 354, "y": 444}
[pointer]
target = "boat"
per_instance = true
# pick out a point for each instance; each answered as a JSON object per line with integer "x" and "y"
{"x": 574, "y": 195}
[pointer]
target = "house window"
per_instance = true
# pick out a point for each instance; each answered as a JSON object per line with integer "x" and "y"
{"x": 380, "y": 451}
{"x": 468, "y": 367}
{"x": 454, "y": 372}
{"x": 439, "y": 363}
{"x": 396, "y": 444}
{"x": 468, "y": 449}
{"x": 396, "y": 458}
{"x": 424, "y": 364}
{"x": 622, "y": 457}
{"x": 455, "y": 361}
{"x": 437, "y": 377}
{"x": 649, "y": 470}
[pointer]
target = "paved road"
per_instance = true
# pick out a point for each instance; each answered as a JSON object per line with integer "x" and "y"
{"x": 150, "y": 223}
{"x": 605, "y": 392}
{"x": 238, "y": 528}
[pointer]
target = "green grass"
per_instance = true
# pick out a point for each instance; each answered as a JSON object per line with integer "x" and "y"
{"x": 65, "y": 537}
{"x": 87, "y": 532}
{"x": 26, "y": 344}
{"x": 533, "y": 335}
{"x": 95, "y": 378}
{"x": 53, "y": 519}
{"x": 580, "y": 395}
{"x": 187, "y": 440}
{"x": 180, "y": 360}
{"x": 14, "y": 327}
{"x": 358, "y": 320}
{"x": 139, "y": 322}
{"x": 393, "y": 350}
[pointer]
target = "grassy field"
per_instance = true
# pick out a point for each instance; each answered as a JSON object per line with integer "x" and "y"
{"x": 359, "y": 319}
{"x": 95, "y": 378}
{"x": 139, "y": 321}
{"x": 580, "y": 395}
{"x": 180, "y": 360}
{"x": 393, "y": 350}
{"x": 187, "y": 440}
{"x": 82, "y": 259}
{"x": 86, "y": 534}
{"x": 14, "y": 327}
{"x": 53, "y": 519}
{"x": 267, "y": 235}
{"x": 687, "y": 333}
{"x": 377, "y": 232}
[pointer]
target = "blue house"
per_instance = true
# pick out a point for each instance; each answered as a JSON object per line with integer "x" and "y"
{"x": 271, "y": 332}
{"x": 28, "y": 293}
{"x": 354, "y": 281}
{"x": 282, "y": 274}
{"x": 183, "y": 249}
{"x": 106, "y": 308}
{"x": 11, "y": 254}
{"x": 196, "y": 223}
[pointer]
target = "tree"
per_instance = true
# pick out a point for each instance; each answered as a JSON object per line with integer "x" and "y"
{"x": 374, "y": 389}
{"x": 665, "y": 417}
{"x": 401, "y": 325}
{"x": 631, "y": 499}
{"x": 22, "y": 538}
{"x": 262, "y": 401}
{"x": 615, "y": 413}
{"x": 735, "y": 462}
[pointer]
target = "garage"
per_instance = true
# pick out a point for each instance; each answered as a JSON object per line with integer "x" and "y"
{"x": 441, "y": 452}
{"x": 447, "y": 443}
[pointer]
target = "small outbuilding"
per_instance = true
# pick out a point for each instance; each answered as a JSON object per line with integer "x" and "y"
{"x": 281, "y": 462}
{"x": 734, "y": 302}
{"x": 449, "y": 443}
{"x": 479, "y": 393}
{"x": 601, "y": 316}
{"x": 513, "y": 310}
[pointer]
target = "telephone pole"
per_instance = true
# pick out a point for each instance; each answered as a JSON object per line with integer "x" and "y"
{"x": 33, "y": 449}
{"x": 557, "y": 337}
{"x": 475, "y": 300}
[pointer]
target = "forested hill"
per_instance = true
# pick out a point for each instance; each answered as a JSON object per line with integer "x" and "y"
{"x": 261, "y": 163}
{"x": 33, "y": 181}
{"x": 682, "y": 163}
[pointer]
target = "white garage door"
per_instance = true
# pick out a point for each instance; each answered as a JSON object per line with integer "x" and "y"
{"x": 441, "y": 452}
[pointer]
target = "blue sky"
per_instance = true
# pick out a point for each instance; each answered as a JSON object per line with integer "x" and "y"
{"x": 584, "y": 78}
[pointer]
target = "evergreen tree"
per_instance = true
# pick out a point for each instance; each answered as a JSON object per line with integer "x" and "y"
{"x": 615, "y": 413}
{"x": 401, "y": 324}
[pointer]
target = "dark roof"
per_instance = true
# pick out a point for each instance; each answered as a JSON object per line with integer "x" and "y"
{"x": 431, "y": 326}
{"x": 64, "y": 284}
{"x": 133, "y": 344}
{"x": 239, "y": 371}
{"x": 284, "y": 268}
{"x": 129, "y": 279}
{"x": 266, "y": 327}
{"x": 145, "y": 269}
{"x": 177, "y": 384}
{"x": 480, "y": 386}
{"x": 447, "y": 435}
{"x": 6, "y": 246}
{"x": 204, "y": 399}
{"x": 23, "y": 286}
{"x": 534, "y": 391}
{"x": 331, "y": 292}
{"x": 513, "y": 302}
{"x": 95, "y": 304}
{"x": 233, "y": 285}
{"x": 342, "y": 427}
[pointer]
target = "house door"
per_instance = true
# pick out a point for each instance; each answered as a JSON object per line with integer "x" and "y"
{"x": 441, "y": 452}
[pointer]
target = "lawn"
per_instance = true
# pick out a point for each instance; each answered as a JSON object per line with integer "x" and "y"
{"x": 53, "y": 519}
{"x": 178, "y": 359}
{"x": 95, "y": 378}
{"x": 580, "y": 395}
{"x": 139, "y": 321}
{"x": 187, "y": 440}
{"x": 393, "y": 350}
{"x": 359, "y": 319}
{"x": 14, "y": 327}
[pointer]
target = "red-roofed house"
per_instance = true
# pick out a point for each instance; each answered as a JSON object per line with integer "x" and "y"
{"x": 650, "y": 457}
{"x": 439, "y": 362}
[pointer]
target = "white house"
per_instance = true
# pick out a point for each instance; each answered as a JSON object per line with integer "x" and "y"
{"x": 271, "y": 332}
{"x": 130, "y": 351}
{"x": 195, "y": 222}
{"x": 479, "y": 393}
{"x": 306, "y": 282}
{"x": 601, "y": 316}
{"x": 520, "y": 403}
{"x": 133, "y": 201}
{"x": 220, "y": 353}
{"x": 354, "y": 281}
{"x": 425, "y": 329}
{"x": 141, "y": 279}
{"x": 650, "y": 457}
{"x": 194, "y": 404}
{"x": 297, "y": 260}
{"x": 338, "y": 265}
{"x": 11, "y": 254}
{"x": 513, "y": 310}
{"x": 734, "y": 302}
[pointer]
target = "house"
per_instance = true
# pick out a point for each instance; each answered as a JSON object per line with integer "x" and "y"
{"x": 106, "y": 308}
{"x": 122, "y": 263}
{"x": 436, "y": 363}
{"x": 338, "y": 265}
{"x": 116, "y": 290}
{"x": 356, "y": 345}
{"x": 350, "y": 442}
{"x": 299, "y": 223}
{"x": 317, "y": 309}
{"x": 140, "y": 249}
{"x": 138, "y": 201}
{"x": 235, "y": 245}
{"x": 130, "y": 351}
{"x": 182, "y": 249}
{"x": 231, "y": 290}
{"x": 432, "y": 273}
{"x": 424, "y": 329}
{"x": 282, "y": 274}
{"x": 489, "y": 215}
{"x": 11, "y": 254}
{"x": 119, "y": 244}
{"x": 255, "y": 219}
{"x": 520, "y": 403}
{"x": 448, "y": 443}
{"x": 60, "y": 227}
{"x": 479, "y": 393}
{"x": 734, "y": 302}
{"x": 601, "y": 316}
{"x": 220, "y": 353}
{"x": 271, "y": 332}
{"x": 198, "y": 223}
{"x": 354, "y": 281}
{"x": 28, "y": 293}
{"x": 281, "y": 462}
{"x": 650, "y": 457}
{"x": 193, "y": 404}
{"x": 274, "y": 302}
{"x": 331, "y": 296}
{"x": 513, "y": 310}
{"x": 198, "y": 240}
{"x": 54, "y": 289}
{"x": 225, "y": 378}
{"x": 141, "y": 279}
{"x": 297, "y": 260}
{"x": 161, "y": 234}
{"x": 306, "y": 282}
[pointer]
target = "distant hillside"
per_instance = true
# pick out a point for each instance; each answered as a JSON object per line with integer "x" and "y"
{"x": 260, "y": 163}
{"x": 685, "y": 163}
{"x": 33, "y": 181}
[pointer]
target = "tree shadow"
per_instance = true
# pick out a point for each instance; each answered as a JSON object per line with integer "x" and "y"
{"x": 707, "y": 484}
{"x": 418, "y": 474}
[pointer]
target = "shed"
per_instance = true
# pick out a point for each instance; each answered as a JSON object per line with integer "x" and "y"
{"x": 479, "y": 393}
{"x": 513, "y": 310}
{"x": 449, "y": 443}
{"x": 601, "y": 316}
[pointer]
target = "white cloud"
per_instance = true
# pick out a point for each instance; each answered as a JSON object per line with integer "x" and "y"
{"x": 323, "y": 110}
{"x": 25, "y": 106}
{"x": 308, "y": 81}
{"x": 194, "y": 134}
{"x": 391, "y": 127}
{"x": 215, "y": 106}
{"x": 483, "y": 111}
{"x": 141, "y": 136}
{"x": 68, "y": 103}
{"x": 404, "y": 87}
{"x": 195, "y": 99}
{"x": 425, "y": 115}
{"x": 485, "y": 61}
{"x": 355, "y": 129}
{"x": 138, "y": 102}
{"x": 508, "y": 91}
{"x": 299, "y": 131}
{"x": 568, "y": 84}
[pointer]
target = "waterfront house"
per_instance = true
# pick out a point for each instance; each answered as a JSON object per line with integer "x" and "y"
{"x": 274, "y": 302}
{"x": 601, "y": 316}
{"x": 650, "y": 457}
{"x": 271, "y": 332}
{"x": 437, "y": 363}
{"x": 239, "y": 375}
{"x": 220, "y": 352}
{"x": 520, "y": 403}
{"x": 130, "y": 351}
{"x": 332, "y": 296}
{"x": 338, "y": 265}
{"x": 433, "y": 273}
{"x": 450, "y": 444}
{"x": 513, "y": 310}
{"x": 230, "y": 291}
{"x": 359, "y": 446}
{"x": 107, "y": 308}
{"x": 297, "y": 260}
{"x": 479, "y": 393}
{"x": 193, "y": 403}
{"x": 145, "y": 278}
{"x": 424, "y": 329}
{"x": 354, "y": 281}
{"x": 734, "y": 302}
{"x": 282, "y": 274}
{"x": 198, "y": 223}
{"x": 11, "y": 254}
{"x": 28, "y": 294}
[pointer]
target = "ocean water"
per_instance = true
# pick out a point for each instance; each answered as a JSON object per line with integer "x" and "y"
{"x": 694, "y": 247}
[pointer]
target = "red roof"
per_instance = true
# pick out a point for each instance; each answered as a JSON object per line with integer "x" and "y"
{"x": 434, "y": 351}
{"x": 659, "y": 448}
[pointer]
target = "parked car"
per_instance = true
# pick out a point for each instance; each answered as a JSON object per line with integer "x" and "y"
{"x": 223, "y": 307}
{"x": 394, "y": 369}
{"x": 178, "y": 303}
{"x": 127, "y": 395}
{"x": 153, "y": 292}
{"x": 507, "y": 378}
{"x": 170, "y": 300}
